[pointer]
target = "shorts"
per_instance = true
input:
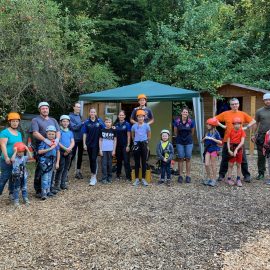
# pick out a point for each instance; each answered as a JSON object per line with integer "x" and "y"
{"x": 213, "y": 154}
{"x": 184, "y": 151}
{"x": 238, "y": 158}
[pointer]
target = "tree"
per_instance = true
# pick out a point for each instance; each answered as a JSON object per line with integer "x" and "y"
{"x": 45, "y": 56}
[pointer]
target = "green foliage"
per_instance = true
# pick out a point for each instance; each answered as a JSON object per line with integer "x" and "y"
{"x": 210, "y": 44}
{"x": 46, "y": 56}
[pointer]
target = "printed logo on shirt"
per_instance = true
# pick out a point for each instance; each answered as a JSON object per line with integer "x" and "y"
{"x": 107, "y": 135}
{"x": 124, "y": 127}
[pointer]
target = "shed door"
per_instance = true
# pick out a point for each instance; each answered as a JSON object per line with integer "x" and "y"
{"x": 163, "y": 120}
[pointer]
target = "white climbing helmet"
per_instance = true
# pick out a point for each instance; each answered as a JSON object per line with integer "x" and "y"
{"x": 165, "y": 131}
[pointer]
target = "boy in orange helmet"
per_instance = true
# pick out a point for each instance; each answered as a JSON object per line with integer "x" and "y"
{"x": 235, "y": 144}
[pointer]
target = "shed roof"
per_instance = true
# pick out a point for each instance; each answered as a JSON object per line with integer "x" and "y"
{"x": 243, "y": 86}
{"x": 153, "y": 90}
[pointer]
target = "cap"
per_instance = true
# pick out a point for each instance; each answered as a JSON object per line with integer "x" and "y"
{"x": 20, "y": 146}
{"x": 237, "y": 120}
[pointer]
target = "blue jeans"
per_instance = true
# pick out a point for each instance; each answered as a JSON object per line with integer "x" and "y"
{"x": 165, "y": 168}
{"x": 184, "y": 151}
{"x": 20, "y": 183}
{"x": 6, "y": 172}
{"x": 46, "y": 179}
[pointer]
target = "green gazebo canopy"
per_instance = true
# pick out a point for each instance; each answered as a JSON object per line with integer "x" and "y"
{"x": 154, "y": 92}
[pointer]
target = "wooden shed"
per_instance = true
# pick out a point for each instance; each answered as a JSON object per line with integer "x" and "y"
{"x": 250, "y": 98}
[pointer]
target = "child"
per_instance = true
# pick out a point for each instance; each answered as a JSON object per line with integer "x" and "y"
{"x": 19, "y": 172}
{"x": 211, "y": 141}
{"x": 164, "y": 152}
{"x": 66, "y": 144}
{"x": 266, "y": 152}
{"x": 235, "y": 149}
{"x": 107, "y": 146}
{"x": 141, "y": 133}
{"x": 49, "y": 157}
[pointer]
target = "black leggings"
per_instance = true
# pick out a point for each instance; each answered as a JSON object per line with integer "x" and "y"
{"x": 78, "y": 145}
{"x": 92, "y": 154}
{"x": 140, "y": 156}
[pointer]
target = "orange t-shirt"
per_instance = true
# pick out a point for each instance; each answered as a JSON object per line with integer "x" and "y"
{"x": 236, "y": 135}
{"x": 228, "y": 117}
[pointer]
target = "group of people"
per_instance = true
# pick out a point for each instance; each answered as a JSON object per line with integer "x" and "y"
{"x": 55, "y": 146}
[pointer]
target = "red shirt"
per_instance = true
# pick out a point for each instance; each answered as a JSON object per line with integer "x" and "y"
{"x": 236, "y": 135}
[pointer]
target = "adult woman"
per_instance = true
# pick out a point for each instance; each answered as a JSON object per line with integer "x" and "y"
{"x": 123, "y": 129}
{"x": 91, "y": 131}
{"x": 183, "y": 130}
{"x": 141, "y": 133}
{"x": 8, "y": 137}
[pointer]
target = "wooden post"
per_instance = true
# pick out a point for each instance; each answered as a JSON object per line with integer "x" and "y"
{"x": 252, "y": 113}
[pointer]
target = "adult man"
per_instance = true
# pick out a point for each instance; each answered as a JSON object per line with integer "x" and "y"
{"x": 228, "y": 117}
{"x": 262, "y": 118}
{"x": 75, "y": 126}
{"x": 38, "y": 129}
{"x": 149, "y": 118}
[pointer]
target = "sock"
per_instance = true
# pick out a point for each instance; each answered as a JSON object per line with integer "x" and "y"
{"x": 229, "y": 178}
{"x": 238, "y": 178}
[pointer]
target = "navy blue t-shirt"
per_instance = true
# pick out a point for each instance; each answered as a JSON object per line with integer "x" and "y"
{"x": 121, "y": 132}
{"x": 148, "y": 114}
{"x": 92, "y": 130}
{"x": 210, "y": 144}
{"x": 184, "y": 131}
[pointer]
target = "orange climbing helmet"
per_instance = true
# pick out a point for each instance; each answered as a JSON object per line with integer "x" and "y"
{"x": 212, "y": 122}
{"x": 20, "y": 146}
{"x": 13, "y": 116}
{"x": 142, "y": 96}
{"x": 140, "y": 112}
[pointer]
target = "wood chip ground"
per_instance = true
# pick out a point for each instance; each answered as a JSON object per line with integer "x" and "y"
{"x": 117, "y": 226}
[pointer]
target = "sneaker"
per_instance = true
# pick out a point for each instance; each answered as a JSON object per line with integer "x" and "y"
{"x": 268, "y": 182}
{"x": 78, "y": 175}
{"x": 104, "y": 181}
{"x": 10, "y": 196}
{"x": 260, "y": 176}
{"x": 239, "y": 183}
{"x": 220, "y": 178}
{"x": 93, "y": 181}
{"x": 38, "y": 195}
{"x": 144, "y": 182}
{"x": 188, "y": 179}
{"x": 160, "y": 181}
{"x": 206, "y": 182}
{"x": 109, "y": 180}
{"x": 57, "y": 189}
{"x": 212, "y": 183}
{"x": 136, "y": 182}
{"x": 50, "y": 194}
{"x": 16, "y": 204}
{"x": 64, "y": 187}
{"x": 180, "y": 179}
{"x": 168, "y": 182}
{"x": 54, "y": 191}
{"x": 26, "y": 201}
{"x": 230, "y": 182}
{"x": 247, "y": 179}
{"x": 118, "y": 178}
